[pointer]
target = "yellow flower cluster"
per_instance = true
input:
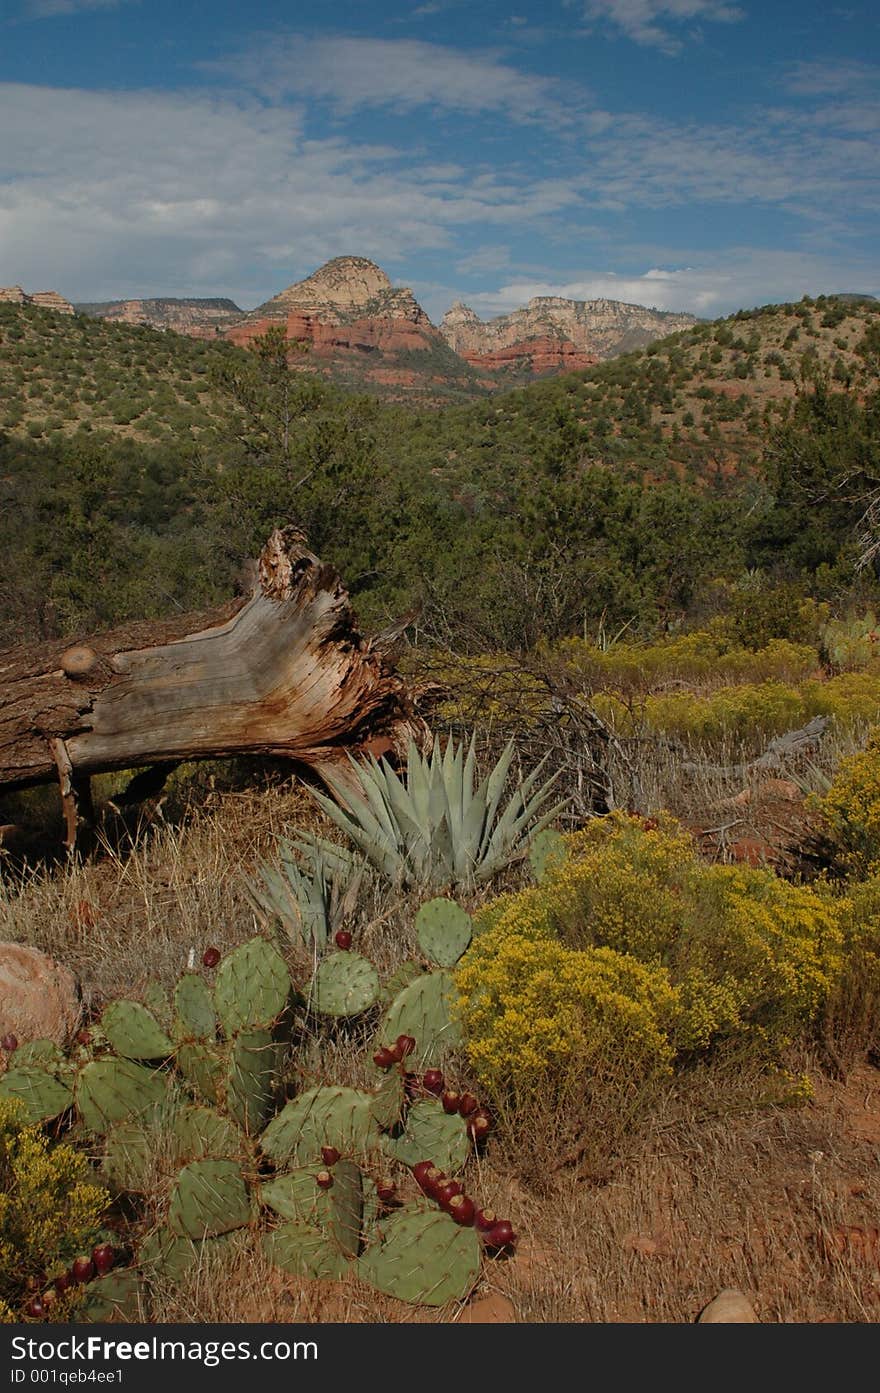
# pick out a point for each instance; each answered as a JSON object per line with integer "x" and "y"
{"x": 49, "y": 1209}
{"x": 634, "y": 940}
{"x": 851, "y": 808}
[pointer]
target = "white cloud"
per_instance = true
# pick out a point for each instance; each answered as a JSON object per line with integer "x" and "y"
{"x": 50, "y": 9}
{"x": 109, "y": 194}
{"x": 716, "y": 284}
{"x": 830, "y": 78}
{"x": 647, "y": 21}
{"x": 403, "y": 74}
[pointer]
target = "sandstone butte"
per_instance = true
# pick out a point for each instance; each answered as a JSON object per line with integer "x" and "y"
{"x": 43, "y": 299}
{"x": 359, "y": 326}
{"x": 593, "y": 328}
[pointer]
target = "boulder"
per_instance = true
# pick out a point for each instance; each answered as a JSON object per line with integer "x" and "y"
{"x": 730, "y": 1307}
{"x": 38, "y": 996}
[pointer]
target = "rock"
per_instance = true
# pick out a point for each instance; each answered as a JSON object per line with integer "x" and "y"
{"x": 494, "y": 1309}
{"x": 730, "y": 1307}
{"x": 38, "y": 996}
{"x": 593, "y": 327}
{"x": 43, "y": 299}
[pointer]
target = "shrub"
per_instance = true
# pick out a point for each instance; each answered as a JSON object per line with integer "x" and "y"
{"x": 852, "y": 1012}
{"x": 635, "y": 928}
{"x": 851, "y": 809}
{"x": 49, "y": 1209}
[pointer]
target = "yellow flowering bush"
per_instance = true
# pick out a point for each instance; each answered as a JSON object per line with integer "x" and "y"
{"x": 851, "y": 808}
{"x": 532, "y": 1007}
{"x": 50, "y": 1211}
{"x": 635, "y": 926}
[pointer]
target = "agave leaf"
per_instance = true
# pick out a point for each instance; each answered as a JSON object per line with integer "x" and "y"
{"x": 494, "y": 788}
{"x": 517, "y": 815}
{"x": 418, "y": 787}
{"x": 383, "y": 856}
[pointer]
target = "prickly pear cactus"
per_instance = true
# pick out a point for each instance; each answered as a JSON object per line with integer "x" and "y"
{"x": 199, "y": 1132}
{"x": 340, "y": 1117}
{"x": 115, "y": 1296}
{"x": 389, "y": 1099}
{"x": 170, "y": 1257}
{"x": 422, "y": 1256}
{"x": 424, "y": 1010}
{"x": 444, "y": 931}
{"x": 209, "y": 1198}
{"x": 852, "y": 644}
{"x": 111, "y": 1090}
{"x": 344, "y": 984}
{"x": 43, "y": 1094}
{"x": 194, "y": 1014}
{"x": 205, "y": 1067}
{"x": 252, "y": 987}
{"x": 546, "y": 853}
{"x": 134, "y": 1032}
{"x": 431, "y": 1132}
{"x": 408, "y": 971}
{"x": 302, "y": 1250}
{"x": 250, "y": 1082}
{"x": 156, "y": 999}
{"x": 337, "y": 1211}
{"x": 129, "y": 1156}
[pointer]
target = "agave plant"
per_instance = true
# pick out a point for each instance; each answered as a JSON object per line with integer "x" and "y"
{"x": 436, "y": 829}
{"x": 312, "y": 888}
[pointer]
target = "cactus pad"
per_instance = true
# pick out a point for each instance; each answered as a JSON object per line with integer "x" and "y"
{"x": 337, "y": 1211}
{"x": 43, "y": 1095}
{"x": 423, "y": 1010}
{"x": 546, "y": 853}
{"x": 194, "y": 1015}
{"x": 128, "y": 1157}
{"x": 422, "y": 1256}
{"x": 339, "y": 1117}
{"x": 408, "y": 971}
{"x": 345, "y": 984}
{"x": 134, "y": 1032}
{"x": 204, "y": 1066}
{"x": 210, "y": 1198}
{"x": 156, "y": 999}
{"x": 42, "y": 1054}
{"x": 431, "y": 1132}
{"x": 250, "y": 1082}
{"x": 111, "y": 1090}
{"x": 116, "y": 1296}
{"x": 444, "y": 930}
{"x": 252, "y": 986}
{"x": 388, "y": 1100}
{"x": 199, "y": 1132}
{"x": 304, "y": 1251}
{"x": 170, "y": 1257}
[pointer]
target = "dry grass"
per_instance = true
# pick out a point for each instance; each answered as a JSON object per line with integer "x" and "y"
{"x": 705, "y": 1190}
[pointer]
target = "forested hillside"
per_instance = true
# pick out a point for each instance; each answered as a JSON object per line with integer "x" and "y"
{"x": 703, "y": 475}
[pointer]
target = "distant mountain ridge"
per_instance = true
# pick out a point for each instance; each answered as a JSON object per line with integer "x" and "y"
{"x": 360, "y": 328}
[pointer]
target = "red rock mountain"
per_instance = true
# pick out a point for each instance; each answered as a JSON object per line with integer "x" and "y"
{"x": 361, "y": 330}
{"x": 552, "y": 334}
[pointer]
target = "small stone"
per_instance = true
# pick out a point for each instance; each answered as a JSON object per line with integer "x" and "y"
{"x": 730, "y": 1307}
{"x": 494, "y": 1309}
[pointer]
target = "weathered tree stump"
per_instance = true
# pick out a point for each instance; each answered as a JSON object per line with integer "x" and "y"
{"x": 283, "y": 672}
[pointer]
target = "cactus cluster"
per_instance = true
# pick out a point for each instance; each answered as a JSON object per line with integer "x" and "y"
{"x": 851, "y": 644}
{"x": 188, "y": 1083}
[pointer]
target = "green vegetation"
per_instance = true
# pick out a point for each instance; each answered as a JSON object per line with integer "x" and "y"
{"x": 140, "y": 469}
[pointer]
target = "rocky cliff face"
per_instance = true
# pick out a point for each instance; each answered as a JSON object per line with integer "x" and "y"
{"x": 360, "y": 329}
{"x": 200, "y": 319}
{"x": 43, "y": 299}
{"x": 595, "y": 328}
{"x": 346, "y": 290}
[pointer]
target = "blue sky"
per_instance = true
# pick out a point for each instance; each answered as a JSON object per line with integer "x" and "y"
{"x": 690, "y": 154}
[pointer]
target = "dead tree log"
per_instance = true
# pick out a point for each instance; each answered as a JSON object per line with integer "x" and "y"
{"x": 283, "y": 672}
